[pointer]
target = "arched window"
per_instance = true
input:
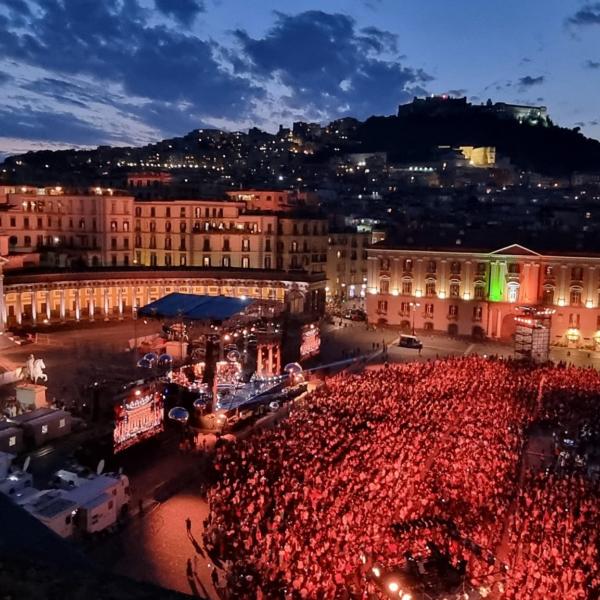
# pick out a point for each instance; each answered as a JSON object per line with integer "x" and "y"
{"x": 384, "y": 286}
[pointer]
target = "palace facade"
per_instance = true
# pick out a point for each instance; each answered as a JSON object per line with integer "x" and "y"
{"x": 36, "y": 298}
{"x": 479, "y": 293}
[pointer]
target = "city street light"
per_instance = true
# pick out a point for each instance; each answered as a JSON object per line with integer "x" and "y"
{"x": 414, "y": 306}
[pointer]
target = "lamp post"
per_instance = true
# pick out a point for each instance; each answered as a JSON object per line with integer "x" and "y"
{"x": 414, "y": 306}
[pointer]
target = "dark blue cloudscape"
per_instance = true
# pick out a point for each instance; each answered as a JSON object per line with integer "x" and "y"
{"x": 329, "y": 65}
{"x": 128, "y": 71}
{"x": 171, "y": 80}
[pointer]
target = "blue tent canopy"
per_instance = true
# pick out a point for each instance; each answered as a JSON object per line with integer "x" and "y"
{"x": 194, "y": 307}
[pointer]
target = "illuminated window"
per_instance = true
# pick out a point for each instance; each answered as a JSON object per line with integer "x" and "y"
{"x": 429, "y": 310}
{"x": 575, "y": 297}
{"x": 407, "y": 288}
{"x": 384, "y": 286}
{"x": 408, "y": 265}
{"x": 577, "y": 273}
{"x": 44, "y": 428}
{"x": 513, "y": 293}
{"x": 574, "y": 321}
{"x": 477, "y": 313}
{"x": 453, "y": 310}
{"x": 455, "y": 268}
{"x": 479, "y": 292}
{"x": 431, "y": 266}
{"x": 12, "y": 440}
{"x": 548, "y": 296}
{"x": 454, "y": 290}
{"x": 382, "y": 306}
{"x": 430, "y": 288}
{"x": 61, "y": 423}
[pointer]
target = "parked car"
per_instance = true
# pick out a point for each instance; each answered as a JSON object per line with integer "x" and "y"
{"x": 410, "y": 341}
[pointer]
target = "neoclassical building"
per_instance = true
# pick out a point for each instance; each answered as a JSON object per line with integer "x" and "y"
{"x": 35, "y": 298}
{"x": 480, "y": 293}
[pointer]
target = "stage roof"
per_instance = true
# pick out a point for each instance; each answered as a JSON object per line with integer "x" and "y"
{"x": 194, "y": 307}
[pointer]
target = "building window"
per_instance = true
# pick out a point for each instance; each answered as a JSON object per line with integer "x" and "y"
{"x": 384, "y": 286}
{"x": 406, "y": 288}
{"x": 549, "y": 271}
{"x": 429, "y": 311}
{"x": 548, "y": 296}
{"x": 153, "y": 260}
{"x": 479, "y": 292}
{"x": 408, "y": 265}
{"x": 206, "y": 261}
{"x": 12, "y": 440}
{"x": 514, "y": 268}
{"x": 167, "y": 243}
{"x": 477, "y": 313}
{"x": 382, "y": 306}
{"x": 113, "y": 243}
{"x": 267, "y": 245}
{"x": 226, "y": 262}
{"x": 206, "y": 244}
{"x": 384, "y": 264}
{"x": 61, "y": 423}
{"x": 455, "y": 268}
{"x": 182, "y": 226}
{"x": 577, "y": 273}
{"x": 44, "y": 428}
{"x": 168, "y": 212}
{"x": 575, "y": 297}
{"x": 294, "y": 247}
{"x": 267, "y": 262}
{"x": 574, "y": 321}
{"x": 226, "y": 246}
{"x": 152, "y": 225}
{"x": 125, "y": 225}
{"x": 113, "y": 226}
{"x": 431, "y": 266}
{"x": 245, "y": 245}
{"x": 182, "y": 212}
{"x": 430, "y": 288}
{"x": 513, "y": 293}
{"x": 245, "y": 262}
{"x": 454, "y": 290}
{"x": 138, "y": 211}
{"x": 453, "y": 311}
{"x": 182, "y": 260}
{"x": 481, "y": 268}
{"x": 167, "y": 260}
{"x": 167, "y": 226}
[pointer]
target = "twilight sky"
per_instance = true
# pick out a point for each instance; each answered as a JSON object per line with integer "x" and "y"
{"x": 89, "y": 72}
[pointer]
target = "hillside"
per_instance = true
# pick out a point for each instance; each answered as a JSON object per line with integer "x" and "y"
{"x": 549, "y": 150}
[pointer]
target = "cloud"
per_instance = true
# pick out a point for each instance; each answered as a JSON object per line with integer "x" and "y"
{"x": 328, "y": 66}
{"x": 458, "y": 92}
{"x": 592, "y": 64}
{"x": 4, "y": 77}
{"x": 27, "y": 123}
{"x": 589, "y": 14}
{"x": 528, "y": 81}
{"x": 112, "y": 43}
{"x": 183, "y": 11}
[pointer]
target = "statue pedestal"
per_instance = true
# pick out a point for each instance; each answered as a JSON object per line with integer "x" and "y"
{"x": 32, "y": 395}
{"x": 178, "y": 350}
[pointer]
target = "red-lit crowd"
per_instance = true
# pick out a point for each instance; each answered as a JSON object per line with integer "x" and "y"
{"x": 374, "y": 467}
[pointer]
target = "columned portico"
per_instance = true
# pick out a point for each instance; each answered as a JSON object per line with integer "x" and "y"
{"x": 114, "y": 295}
